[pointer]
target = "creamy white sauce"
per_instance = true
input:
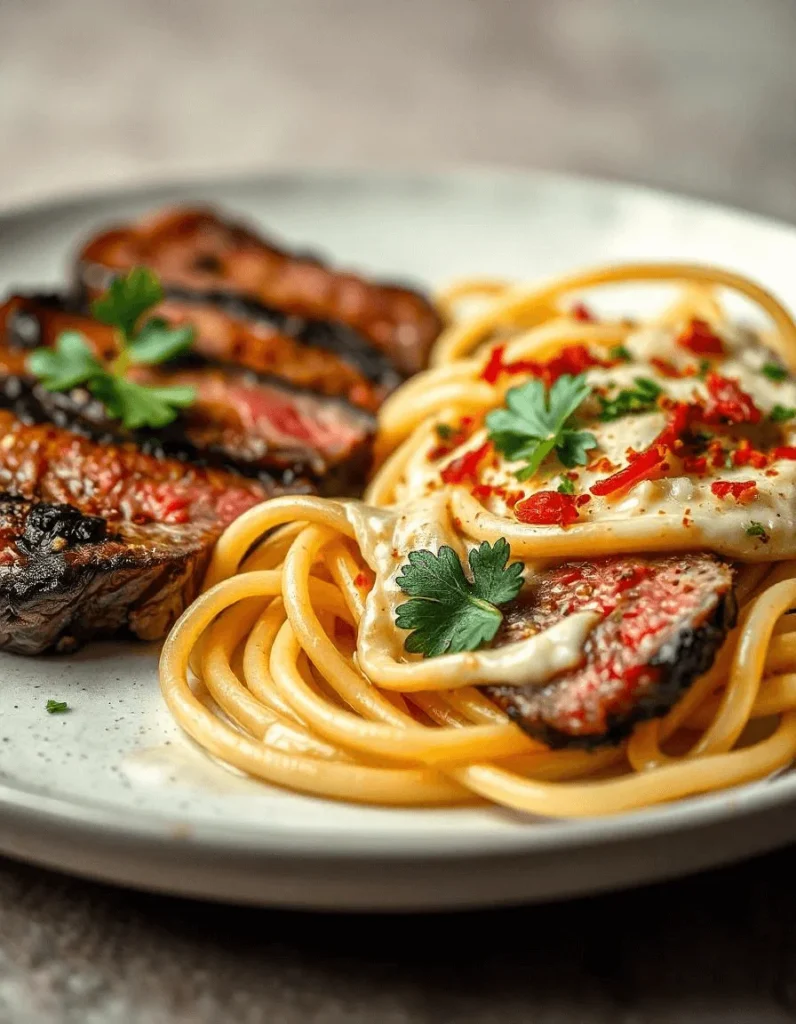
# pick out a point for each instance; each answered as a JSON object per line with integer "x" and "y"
{"x": 421, "y": 519}
{"x": 715, "y": 523}
{"x": 385, "y": 537}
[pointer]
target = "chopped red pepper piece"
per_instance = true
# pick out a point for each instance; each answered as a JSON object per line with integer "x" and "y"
{"x": 665, "y": 368}
{"x": 743, "y": 490}
{"x": 695, "y": 464}
{"x": 494, "y": 366}
{"x": 642, "y": 466}
{"x": 700, "y": 338}
{"x": 680, "y": 415}
{"x": 466, "y": 466}
{"x": 746, "y": 455}
{"x": 785, "y": 451}
{"x": 580, "y": 311}
{"x": 547, "y": 508}
{"x": 573, "y": 360}
{"x": 728, "y": 403}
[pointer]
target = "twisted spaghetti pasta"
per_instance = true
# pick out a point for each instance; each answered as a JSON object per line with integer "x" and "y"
{"x": 301, "y": 677}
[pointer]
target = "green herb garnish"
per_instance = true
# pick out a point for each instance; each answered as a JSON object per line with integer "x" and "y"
{"x": 538, "y": 422}
{"x": 774, "y": 371}
{"x": 448, "y": 612}
{"x": 566, "y": 486}
{"x": 72, "y": 363}
{"x": 642, "y": 398}
{"x": 755, "y": 529}
{"x": 620, "y": 352}
{"x": 444, "y": 431}
{"x": 704, "y": 368}
{"x": 782, "y": 413}
{"x": 57, "y": 707}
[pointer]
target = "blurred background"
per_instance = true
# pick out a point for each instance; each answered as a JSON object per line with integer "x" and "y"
{"x": 697, "y": 96}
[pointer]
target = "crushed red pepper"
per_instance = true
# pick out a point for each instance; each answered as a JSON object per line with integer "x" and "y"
{"x": 727, "y": 403}
{"x": 741, "y": 490}
{"x": 700, "y": 338}
{"x": 465, "y": 468}
{"x": 547, "y": 508}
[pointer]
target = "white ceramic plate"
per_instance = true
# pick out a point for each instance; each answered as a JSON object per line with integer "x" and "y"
{"x": 113, "y": 790}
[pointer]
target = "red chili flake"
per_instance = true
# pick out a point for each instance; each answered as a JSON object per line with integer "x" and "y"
{"x": 363, "y": 579}
{"x": 573, "y": 360}
{"x": 785, "y": 451}
{"x": 717, "y": 453}
{"x": 582, "y": 499}
{"x": 482, "y": 491}
{"x": 456, "y": 437}
{"x": 701, "y": 339}
{"x": 728, "y": 403}
{"x": 746, "y": 455}
{"x": 643, "y": 465}
{"x": 603, "y": 465}
{"x": 547, "y": 508}
{"x": 580, "y": 311}
{"x": 466, "y": 466}
{"x": 695, "y": 464}
{"x": 743, "y": 490}
{"x": 665, "y": 368}
{"x": 494, "y": 366}
{"x": 680, "y": 415}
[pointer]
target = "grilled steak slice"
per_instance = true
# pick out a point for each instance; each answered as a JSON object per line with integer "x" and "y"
{"x": 195, "y": 249}
{"x": 253, "y": 424}
{"x": 318, "y": 355}
{"x": 664, "y": 620}
{"x": 96, "y": 539}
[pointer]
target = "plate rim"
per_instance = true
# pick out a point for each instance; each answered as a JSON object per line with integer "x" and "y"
{"x": 101, "y": 820}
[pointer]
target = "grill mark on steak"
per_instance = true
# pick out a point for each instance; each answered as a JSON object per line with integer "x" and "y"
{"x": 664, "y": 621}
{"x": 249, "y": 423}
{"x": 318, "y": 355}
{"x": 96, "y": 540}
{"x": 197, "y": 250}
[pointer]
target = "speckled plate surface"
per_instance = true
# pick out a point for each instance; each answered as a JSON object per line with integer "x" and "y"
{"x": 113, "y": 790}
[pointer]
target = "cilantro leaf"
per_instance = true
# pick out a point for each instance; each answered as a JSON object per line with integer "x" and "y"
{"x": 774, "y": 371}
{"x": 642, "y": 398}
{"x": 127, "y": 298}
{"x": 64, "y": 367}
{"x": 140, "y": 406}
{"x": 56, "y": 707}
{"x": 755, "y": 529}
{"x": 156, "y": 342}
{"x": 444, "y": 431}
{"x": 566, "y": 486}
{"x": 447, "y": 612}
{"x": 620, "y": 352}
{"x": 536, "y": 422}
{"x": 782, "y": 413}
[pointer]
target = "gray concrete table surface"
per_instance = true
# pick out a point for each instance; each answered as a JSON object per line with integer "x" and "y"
{"x": 693, "y": 95}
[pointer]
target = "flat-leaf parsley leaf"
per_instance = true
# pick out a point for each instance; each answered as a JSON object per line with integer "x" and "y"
{"x": 448, "y": 612}
{"x": 774, "y": 371}
{"x": 538, "y": 422}
{"x": 72, "y": 363}
{"x": 782, "y": 413}
{"x": 642, "y": 398}
{"x": 56, "y": 707}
